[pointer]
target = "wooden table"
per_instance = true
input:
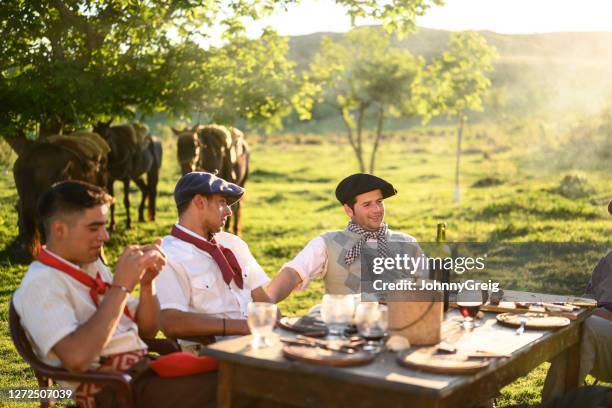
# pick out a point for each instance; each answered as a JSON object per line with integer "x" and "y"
{"x": 265, "y": 375}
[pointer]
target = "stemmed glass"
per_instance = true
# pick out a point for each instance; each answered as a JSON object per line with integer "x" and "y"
{"x": 469, "y": 302}
{"x": 337, "y": 312}
{"x": 372, "y": 321}
{"x": 261, "y": 319}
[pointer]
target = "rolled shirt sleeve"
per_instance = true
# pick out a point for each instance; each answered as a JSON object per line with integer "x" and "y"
{"x": 310, "y": 262}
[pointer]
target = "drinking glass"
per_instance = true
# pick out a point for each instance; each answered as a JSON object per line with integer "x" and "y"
{"x": 337, "y": 312}
{"x": 372, "y": 320}
{"x": 469, "y": 302}
{"x": 261, "y": 318}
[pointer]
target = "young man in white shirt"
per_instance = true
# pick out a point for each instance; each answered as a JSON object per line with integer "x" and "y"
{"x": 210, "y": 275}
{"x": 76, "y": 313}
{"x": 335, "y": 256}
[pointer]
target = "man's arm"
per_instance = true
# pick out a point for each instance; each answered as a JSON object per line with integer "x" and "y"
{"x": 80, "y": 348}
{"x": 148, "y": 312}
{"x": 311, "y": 263}
{"x": 283, "y": 284}
{"x": 604, "y": 314}
{"x": 179, "y": 324}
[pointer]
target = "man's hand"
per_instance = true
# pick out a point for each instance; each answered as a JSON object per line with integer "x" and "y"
{"x": 132, "y": 264}
{"x": 153, "y": 270}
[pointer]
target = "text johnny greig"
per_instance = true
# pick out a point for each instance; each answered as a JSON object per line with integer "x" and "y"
{"x": 412, "y": 264}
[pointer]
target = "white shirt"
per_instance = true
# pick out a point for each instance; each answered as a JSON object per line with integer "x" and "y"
{"x": 52, "y": 304}
{"x": 192, "y": 281}
{"x": 311, "y": 262}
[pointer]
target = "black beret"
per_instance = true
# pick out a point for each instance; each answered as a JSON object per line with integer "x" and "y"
{"x": 199, "y": 182}
{"x": 360, "y": 183}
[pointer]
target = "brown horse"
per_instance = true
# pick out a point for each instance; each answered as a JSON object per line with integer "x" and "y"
{"x": 188, "y": 148}
{"x": 41, "y": 165}
{"x": 225, "y": 152}
{"x": 133, "y": 153}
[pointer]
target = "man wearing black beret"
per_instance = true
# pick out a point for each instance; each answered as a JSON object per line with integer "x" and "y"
{"x": 210, "y": 275}
{"x": 335, "y": 256}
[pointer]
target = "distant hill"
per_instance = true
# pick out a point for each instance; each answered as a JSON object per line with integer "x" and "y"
{"x": 535, "y": 74}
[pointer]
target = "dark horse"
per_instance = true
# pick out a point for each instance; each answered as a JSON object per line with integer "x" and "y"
{"x": 41, "y": 165}
{"x": 187, "y": 149}
{"x": 227, "y": 153}
{"x": 133, "y": 153}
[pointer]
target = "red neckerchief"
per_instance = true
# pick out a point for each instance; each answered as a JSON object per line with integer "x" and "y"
{"x": 96, "y": 286}
{"x": 224, "y": 257}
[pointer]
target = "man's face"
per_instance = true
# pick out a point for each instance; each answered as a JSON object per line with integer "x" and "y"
{"x": 215, "y": 212}
{"x": 368, "y": 211}
{"x": 82, "y": 235}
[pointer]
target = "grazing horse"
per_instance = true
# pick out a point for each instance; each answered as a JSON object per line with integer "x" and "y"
{"x": 133, "y": 153}
{"x": 188, "y": 148}
{"x": 40, "y": 166}
{"x": 225, "y": 152}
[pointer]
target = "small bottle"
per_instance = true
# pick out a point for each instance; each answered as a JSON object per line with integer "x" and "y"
{"x": 443, "y": 274}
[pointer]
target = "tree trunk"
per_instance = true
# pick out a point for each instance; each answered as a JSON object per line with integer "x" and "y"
{"x": 360, "y": 117}
{"x": 379, "y": 128}
{"x": 351, "y": 139}
{"x": 457, "y": 196}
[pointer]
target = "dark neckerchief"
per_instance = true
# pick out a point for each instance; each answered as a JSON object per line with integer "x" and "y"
{"x": 224, "y": 257}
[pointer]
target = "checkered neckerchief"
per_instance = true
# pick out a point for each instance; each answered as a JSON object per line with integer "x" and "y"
{"x": 379, "y": 235}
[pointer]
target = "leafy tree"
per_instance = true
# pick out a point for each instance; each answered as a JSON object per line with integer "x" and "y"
{"x": 248, "y": 80}
{"x": 65, "y": 64}
{"x": 365, "y": 76}
{"x": 456, "y": 82}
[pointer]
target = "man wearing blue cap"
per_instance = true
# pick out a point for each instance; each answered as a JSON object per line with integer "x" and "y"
{"x": 335, "y": 256}
{"x": 210, "y": 275}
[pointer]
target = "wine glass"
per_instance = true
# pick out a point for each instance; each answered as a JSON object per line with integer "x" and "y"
{"x": 469, "y": 302}
{"x": 372, "y": 321}
{"x": 261, "y": 319}
{"x": 337, "y": 312}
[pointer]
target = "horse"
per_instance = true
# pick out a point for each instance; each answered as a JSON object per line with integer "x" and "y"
{"x": 188, "y": 148}
{"x": 133, "y": 153}
{"x": 226, "y": 153}
{"x": 41, "y": 165}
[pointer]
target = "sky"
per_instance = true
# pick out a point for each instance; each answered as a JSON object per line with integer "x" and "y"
{"x": 503, "y": 16}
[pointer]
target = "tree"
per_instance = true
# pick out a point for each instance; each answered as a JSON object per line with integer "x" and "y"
{"x": 456, "y": 82}
{"x": 66, "y": 64}
{"x": 250, "y": 80}
{"x": 365, "y": 76}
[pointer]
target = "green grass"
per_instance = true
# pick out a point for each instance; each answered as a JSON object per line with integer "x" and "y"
{"x": 290, "y": 200}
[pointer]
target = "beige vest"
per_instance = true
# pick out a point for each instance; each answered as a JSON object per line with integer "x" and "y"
{"x": 342, "y": 279}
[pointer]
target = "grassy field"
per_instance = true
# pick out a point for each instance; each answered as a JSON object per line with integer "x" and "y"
{"x": 511, "y": 192}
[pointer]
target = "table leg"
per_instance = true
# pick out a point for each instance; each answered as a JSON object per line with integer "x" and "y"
{"x": 225, "y": 395}
{"x": 573, "y": 366}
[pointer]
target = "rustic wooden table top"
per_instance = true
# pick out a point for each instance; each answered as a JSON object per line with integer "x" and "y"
{"x": 527, "y": 351}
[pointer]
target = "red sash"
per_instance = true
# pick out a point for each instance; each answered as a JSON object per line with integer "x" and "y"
{"x": 96, "y": 286}
{"x": 224, "y": 257}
